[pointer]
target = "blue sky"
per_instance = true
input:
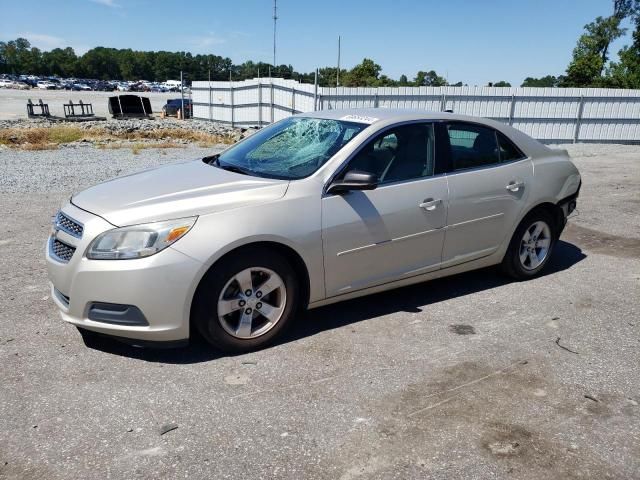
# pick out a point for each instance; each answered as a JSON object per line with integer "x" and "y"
{"x": 474, "y": 41}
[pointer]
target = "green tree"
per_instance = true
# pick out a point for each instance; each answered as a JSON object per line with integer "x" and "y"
{"x": 501, "y": 83}
{"x": 626, "y": 8}
{"x": 60, "y": 62}
{"x": 327, "y": 77}
{"x": 626, "y": 72}
{"x": 591, "y": 54}
{"x": 101, "y": 63}
{"x": 164, "y": 66}
{"x": 429, "y": 79}
{"x": 364, "y": 74}
{"x": 385, "y": 81}
{"x": 546, "y": 81}
{"x": 14, "y": 54}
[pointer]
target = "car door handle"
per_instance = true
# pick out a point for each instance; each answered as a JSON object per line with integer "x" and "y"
{"x": 430, "y": 204}
{"x": 515, "y": 186}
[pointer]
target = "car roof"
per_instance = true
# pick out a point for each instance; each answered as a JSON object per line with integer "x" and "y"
{"x": 388, "y": 116}
{"x": 380, "y": 115}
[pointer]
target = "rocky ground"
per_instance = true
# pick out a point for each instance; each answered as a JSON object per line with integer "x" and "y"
{"x": 153, "y": 128}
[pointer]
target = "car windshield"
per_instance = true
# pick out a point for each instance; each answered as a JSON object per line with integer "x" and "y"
{"x": 290, "y": 149}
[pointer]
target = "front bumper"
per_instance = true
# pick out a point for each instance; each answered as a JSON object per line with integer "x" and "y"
{"x": 158, "y": 288}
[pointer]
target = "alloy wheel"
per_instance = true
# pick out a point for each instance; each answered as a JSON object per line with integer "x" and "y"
{"x": 535, "y": 244}
{"x": 252, "y": 302}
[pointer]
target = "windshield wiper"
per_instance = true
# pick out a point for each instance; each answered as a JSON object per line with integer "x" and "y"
{"x": 233, "y": 168}
{"x": 215, "y": 161}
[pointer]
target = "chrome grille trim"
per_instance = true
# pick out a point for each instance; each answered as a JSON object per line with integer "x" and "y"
{"x": 60, "y": 250}
{"x": 69, "y": 225}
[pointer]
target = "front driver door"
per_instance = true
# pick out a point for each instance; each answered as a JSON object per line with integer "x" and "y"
{"x": 392, "y": 232}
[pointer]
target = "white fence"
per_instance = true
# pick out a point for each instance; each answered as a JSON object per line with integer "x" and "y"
{"x": 548, "y": 114}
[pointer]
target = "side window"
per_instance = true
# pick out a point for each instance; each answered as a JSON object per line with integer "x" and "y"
{"x": 402, "y": 153}
{"x": 508, "y": 151}
{"x": 472, "y": 146}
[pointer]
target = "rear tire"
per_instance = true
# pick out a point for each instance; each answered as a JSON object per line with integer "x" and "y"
{"x": 246, "y": 300}
{"x": 531, "y": 246}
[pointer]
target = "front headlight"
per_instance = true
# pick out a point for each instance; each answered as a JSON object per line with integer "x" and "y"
{"x": 138, "y": 241}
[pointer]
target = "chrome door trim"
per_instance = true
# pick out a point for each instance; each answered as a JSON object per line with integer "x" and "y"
{"x": 386, "y": 242}
{"x": 473, "y": 220}
{"x": 413, "y": 235}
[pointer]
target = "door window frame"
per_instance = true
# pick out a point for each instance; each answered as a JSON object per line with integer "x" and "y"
{"x": 438, "y": 168}
{"x": 446, "y": 157}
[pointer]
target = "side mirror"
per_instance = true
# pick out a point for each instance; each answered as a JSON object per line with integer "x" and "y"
{"x": 354, "y": 180}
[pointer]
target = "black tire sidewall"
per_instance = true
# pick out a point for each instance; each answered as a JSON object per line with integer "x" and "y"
{"x": 511, "y": 264}
{"x": 206, "y": 316}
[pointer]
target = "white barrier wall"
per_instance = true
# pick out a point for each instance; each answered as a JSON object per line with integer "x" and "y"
{"x": 548, "y": 114}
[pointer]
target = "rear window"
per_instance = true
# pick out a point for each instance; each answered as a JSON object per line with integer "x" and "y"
{"x": 508, "y": 151}
{"x": 472, "y": 146}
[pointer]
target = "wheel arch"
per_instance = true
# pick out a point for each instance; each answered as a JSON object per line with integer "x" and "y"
{"x": 553, "y": 209}
{"x": 292, "y": 255}
{"x": 550, "y": 207}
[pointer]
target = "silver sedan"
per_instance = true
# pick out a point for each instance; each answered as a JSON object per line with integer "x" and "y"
{"x": 312, "y": 210}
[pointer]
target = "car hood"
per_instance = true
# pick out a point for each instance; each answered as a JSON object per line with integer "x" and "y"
{"x": 175, "y": 191}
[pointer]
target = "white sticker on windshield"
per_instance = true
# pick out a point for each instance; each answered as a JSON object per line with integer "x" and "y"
{"x": 359, "y": 118}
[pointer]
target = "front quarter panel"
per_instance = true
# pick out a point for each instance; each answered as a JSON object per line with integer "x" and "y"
{"x": 293, "y": 220}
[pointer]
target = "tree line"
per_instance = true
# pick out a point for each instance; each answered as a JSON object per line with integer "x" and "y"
{"x": 20, "y": 57}
{"x": 590, "y": 65}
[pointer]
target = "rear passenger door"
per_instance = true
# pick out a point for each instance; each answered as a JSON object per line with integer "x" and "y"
{"x": 489, "y": 180}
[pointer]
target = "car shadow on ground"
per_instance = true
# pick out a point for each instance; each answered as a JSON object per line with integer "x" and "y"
{"x": 411, "y": 299}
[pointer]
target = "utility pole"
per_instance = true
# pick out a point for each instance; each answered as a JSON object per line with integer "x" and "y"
{"x": 338, "y": 70}
{"x": 275, "y": 19}
{"x": 182, "y": 94}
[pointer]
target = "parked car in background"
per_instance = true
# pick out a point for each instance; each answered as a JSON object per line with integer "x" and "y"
{"x": 7, "y": 83}
{"x": 57, "y": 82}
{"x": 317, "y": 208}
{"x": 29, "y": 80}
{"x": 158, "y": 87}
{"x": 102, "y": 86}
{"x": 46, "y": 85}
{"x": 173, "y": 85}
{"x": 170, "y": 109}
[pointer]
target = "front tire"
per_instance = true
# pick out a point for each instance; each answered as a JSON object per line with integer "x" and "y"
{"x": 246, "y": 300}
{"x": 531, "y": 246}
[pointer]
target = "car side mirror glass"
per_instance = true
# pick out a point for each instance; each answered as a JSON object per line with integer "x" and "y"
{"x": 354, "y": 180}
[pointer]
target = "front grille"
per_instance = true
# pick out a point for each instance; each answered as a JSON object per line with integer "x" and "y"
{"x": 61, "y": 251}
{"x": 69, "y": 225}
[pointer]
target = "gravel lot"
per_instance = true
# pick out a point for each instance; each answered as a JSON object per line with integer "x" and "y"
{"x": 459, "y": 378}
{"x": 13, "y": 103}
